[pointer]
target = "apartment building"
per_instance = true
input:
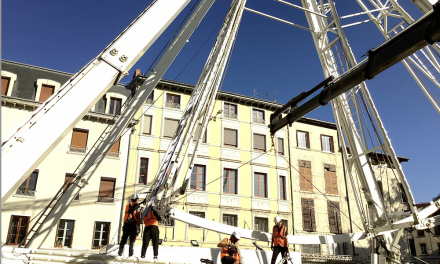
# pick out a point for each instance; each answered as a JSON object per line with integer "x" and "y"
{"x": 93, "y": 218}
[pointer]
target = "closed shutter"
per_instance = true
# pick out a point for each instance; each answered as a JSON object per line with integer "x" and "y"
{"x": 331, "y": 181}
{"x": 308, "y": 175}
{"x": 79, "y": 139}
{"x": 46, "y": 92}
{"x": 107, "y": 188}
{"x": 230, "y": 137}
{"x": 259, "y": 142}
{"x": 334, "y": 179}
{"x": 334, "y": 217}
{"x": 69, "y": 179}
{"x": 5, "y": 85}
{"x": 115, "y": 148}
{"x": 147, "y": 124}
{"x": 312, "y": 214}
{"x": 197, "y": 135}
{"x": 171, "y": 126}
{"x": 281, "y": 146}
{"x": 306, "y": 215}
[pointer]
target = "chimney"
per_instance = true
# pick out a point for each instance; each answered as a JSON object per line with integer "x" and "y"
{"x": 136, "y": 73}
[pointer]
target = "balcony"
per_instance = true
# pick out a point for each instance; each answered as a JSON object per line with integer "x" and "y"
{"x": 172, "y": 105}
{"x": 258, "y": 120}
{"x": 77, "y": 149}
{"x": 149, "y": 101}
{"x": 113, "y": 154}
{"x": 229, "y": 115}
{"x": 326, "y": 258}
{"x": 102, "y": 199}
{"x": 25, "y": 192}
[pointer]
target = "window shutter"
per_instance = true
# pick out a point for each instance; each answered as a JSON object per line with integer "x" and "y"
{"x": 338, "y": 217}
{"x": 332, "y": 218}
{"x": 79, "y": 138}
{"x": 307, "y": 140}
{"x": 106, "y": 188}
{"x": 171, "y": 126}
{"x": 281, "y": 146}
{"x": 312, "y": 214}
{"x": 332, "y": 145}
{"x": 334, "y": 179}
{"x": 5, "y": 85}
{"x": 46, "y": 92}
{"x": 309, "y": 182}
{"x": 327, "y": 177}
{"x": 259, "y": 142}
{"x": 302, "y": 175}
{"x": 147, "y": 124}
{"x": 230, "y": 137}
{"x": 115, "y": 147}
{"x": 306, "y": 215}
{"x": 197, "y": 134}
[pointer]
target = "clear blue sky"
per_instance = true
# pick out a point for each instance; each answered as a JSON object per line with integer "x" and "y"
{"x": 268, "y": 55}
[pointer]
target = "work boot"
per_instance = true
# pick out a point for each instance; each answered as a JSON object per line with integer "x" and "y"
{"x": 131, "y": 254}
{"x": 155, "y": 257}
{"x": 119, "y": 253}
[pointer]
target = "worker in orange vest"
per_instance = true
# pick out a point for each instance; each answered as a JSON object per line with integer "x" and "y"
{"x": 230, "y": 253}
{"x": 151, "y": 231}
{"x": 280, "y": 244}
{"x": 132, "y": 221}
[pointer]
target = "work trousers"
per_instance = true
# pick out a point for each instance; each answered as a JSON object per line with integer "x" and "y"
{"x": 150, "y": 232}
{"x": 277, "y": 250}
{"x": 125, "y": 236}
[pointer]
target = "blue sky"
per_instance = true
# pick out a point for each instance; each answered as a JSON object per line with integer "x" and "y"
{"x": 268, "y": 56}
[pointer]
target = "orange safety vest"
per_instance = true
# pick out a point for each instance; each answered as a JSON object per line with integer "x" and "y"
{"x": 150, "y": 219}
{"x": 128, "y": 215}
{"x": 278, "y": 237}
{"x": 225, "y": 252}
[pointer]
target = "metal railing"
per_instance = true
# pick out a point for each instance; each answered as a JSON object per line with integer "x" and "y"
{"x": 25, "y": 192}
{"x": 77, "y": 149}
{"x": 258, "y": 120}
{"x": 230, "y": 115}
{"x": 149, "y": 101}
{"x": 102, "y": 199}
{"x": 311, "y": 249}
{"x": 172, "y": 105}
{"x": 345, "y": 258}
{"x": 114, "y": 154}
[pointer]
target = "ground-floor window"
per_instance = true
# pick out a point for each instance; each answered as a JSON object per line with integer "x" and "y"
{"x": 65, "y": 233}
{"x": 101, "y": 234}
{"x": 18, "y": 228}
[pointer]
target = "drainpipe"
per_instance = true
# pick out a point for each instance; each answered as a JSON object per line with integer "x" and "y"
{"x": 291, "y": 181}
{"x": 125, "y": 183}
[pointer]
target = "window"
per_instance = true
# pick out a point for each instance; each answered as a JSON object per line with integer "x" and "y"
{"x": 280, "y": 146}
{"x": 403, "y": 194}
{"x": 305, "y": 175}
{"x": 230, "y": 181}
{"x": 259, "y": 142}
{"x": 173, "y": 101}
{"x": 18, "y": 228}
{"x": 282, "y": 187}
{"x": 260, "y": 184}
{"x": 69, "y": 178}
{"x": 114, "y": 151}
{"x": 302, "y": 139}
{"x": 65, "y": 233}
{"x": 166, "y": 222}
{"x": 334, "y": 217}
{"x": 197, "y": 135}
{"x": 115, "y": 106}
{"x": 79, "y": 140}
{"x": 143, "y": 168}
{"x": 170, "y": 128}
{"x": 331, "y": 181}
{"x": 147, "y": 124}
{"x": 46, "y": 92}
{"x": 107, "y": 190}
{"x": 258, "y": 116}
{"x": 101, "y": 234}
{"x": 308, "y": 214}
{"x": 261, "y": 224}
{"x": 437, "y": 230}
{"x": 424, "y": 249}
{"x": 5, "y": 85}
{"x": 230, "y": 137}
{"x": 412, "y": 247}
{"x": 380, "y": 185}
{"x": 198, "y": 214}
{"x": 150, "y": 98}
{"x": 327, "y": 143}
{"x": 29, "y": 186}
{"x": 230, "y": 220}
{"x": 420, "y": 233}
{"x": 198, "y": 178}
{"x": 230, "y": 110}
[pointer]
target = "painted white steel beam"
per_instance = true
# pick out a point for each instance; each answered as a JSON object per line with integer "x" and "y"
{"x": 37, "y": 136}
{"x": 110, "y": 136}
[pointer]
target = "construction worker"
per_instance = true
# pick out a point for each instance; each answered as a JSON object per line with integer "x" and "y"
{"x": 230, "y": 253}
{"x": 279, "y": 240}
{"x": 132, "y": 221}
{"x": 151, "y": 231}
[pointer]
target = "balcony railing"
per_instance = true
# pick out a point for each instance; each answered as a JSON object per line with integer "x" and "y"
{"x": 25, "y": 192}
{"x": 102, "y": 199}
{"x": 258, "y": 120}
{"x": 114, "y": 154}
{"x": 230, "y": 115}
{"x": 149, "y": 101}
{"x": 344, "y": 258}
{"x": 172, "y": 105}
{"x": 77, "y": 149}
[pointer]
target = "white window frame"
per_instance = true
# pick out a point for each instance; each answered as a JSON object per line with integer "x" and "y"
{"x": 329, "y": 145}
{"x": 165, "y": 101}
{"x": 100, "y": 232}
{"x": 12, "y": 78}
{"x": 65, "y": 230}
{"x": 108, "y": 97}
{"x": 39, "y": 84}
{"x": 230, "y": 118}
{"x": 299, "y": 140}
{"x": 264, "y": 114}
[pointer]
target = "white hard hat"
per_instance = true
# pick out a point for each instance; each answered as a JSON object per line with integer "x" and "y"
{"x": 134, "y": 196}
{"x": 236, "y": 234}
{"x": 277, "y": 219}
